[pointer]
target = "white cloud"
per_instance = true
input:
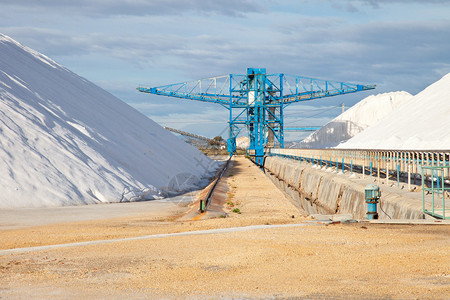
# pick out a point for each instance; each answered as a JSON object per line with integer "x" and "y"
{"x": 141, "y": 7}
{"x": 120, "y": 44}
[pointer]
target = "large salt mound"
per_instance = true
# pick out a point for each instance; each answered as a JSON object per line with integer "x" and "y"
{"x": 65, "y": 141}
{"x": 353, "y": 121}
{"x": 242, "y": 142}
{"x": 423, "y": 123}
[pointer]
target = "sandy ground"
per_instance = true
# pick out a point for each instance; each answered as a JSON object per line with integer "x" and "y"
{"x": 337, "y": 261}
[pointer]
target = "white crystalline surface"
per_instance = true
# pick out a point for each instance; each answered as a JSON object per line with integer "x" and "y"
{"x": 242, "y": 142}
{"x": 65, "y": 141}
{"x": 355, "y": 120}
{"x": 422, "y": 123}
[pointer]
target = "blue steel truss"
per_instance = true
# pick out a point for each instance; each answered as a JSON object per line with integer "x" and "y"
{"x": 256, "y": 101}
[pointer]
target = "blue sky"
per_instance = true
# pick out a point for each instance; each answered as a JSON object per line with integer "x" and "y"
{"x": 397, "y": 45}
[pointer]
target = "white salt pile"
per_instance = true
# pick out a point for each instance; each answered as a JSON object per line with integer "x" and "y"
{"x": 65, "y": 141}
{"x": 422, "y": 123}
{"x": 242, "y": 142}
{"x": 356, "y": 119}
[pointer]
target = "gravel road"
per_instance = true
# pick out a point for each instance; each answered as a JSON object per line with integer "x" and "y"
{"x": 308, "y": 261}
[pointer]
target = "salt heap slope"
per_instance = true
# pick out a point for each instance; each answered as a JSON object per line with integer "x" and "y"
{"x": 65, "y": 141}
{"x": 356, "y": 119}
{"x": 423, "y": 123}
{"x": 242, "y": 142}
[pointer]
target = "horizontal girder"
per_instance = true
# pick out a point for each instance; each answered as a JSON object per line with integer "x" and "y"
{"x": 285, "y": 89}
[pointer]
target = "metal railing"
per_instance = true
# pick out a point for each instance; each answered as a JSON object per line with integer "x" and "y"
{"x": 402, "y": 165}
{"x": 204, "y": 203}
{"x": 438, "y": 191}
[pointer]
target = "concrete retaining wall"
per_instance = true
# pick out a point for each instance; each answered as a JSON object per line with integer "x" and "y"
{"x": 321, "y": 192}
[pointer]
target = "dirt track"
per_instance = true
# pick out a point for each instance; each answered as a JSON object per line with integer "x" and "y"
{"x": 316, "y": 261}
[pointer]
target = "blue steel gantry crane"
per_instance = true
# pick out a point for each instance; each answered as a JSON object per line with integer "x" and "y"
{"x": 256, "y": 101}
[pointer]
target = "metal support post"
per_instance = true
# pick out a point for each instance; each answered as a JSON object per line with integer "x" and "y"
{"x": 351, "y": 167}
{"x": 378, "y": 168}
{"x": 409, "y": 177}
{"x": 387, "y": 172}
{"x": 364, "y": 167}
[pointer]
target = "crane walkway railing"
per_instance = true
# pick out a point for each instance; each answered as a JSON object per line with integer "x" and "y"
{"x": 402, "y": 165}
